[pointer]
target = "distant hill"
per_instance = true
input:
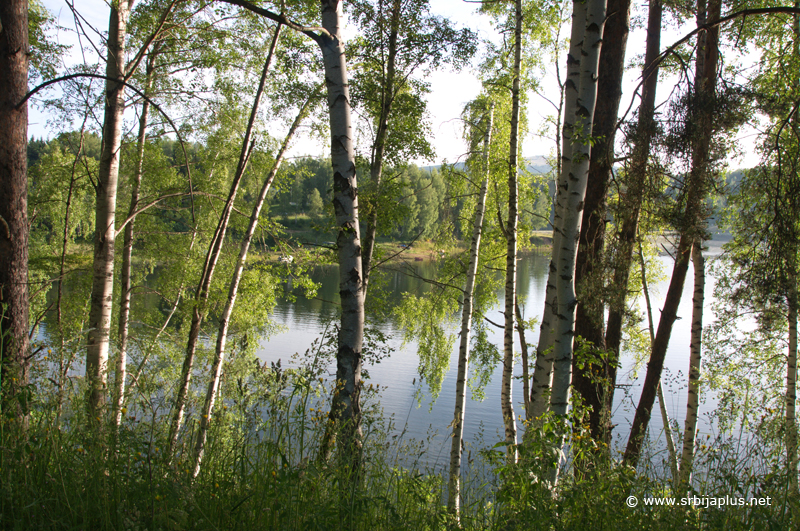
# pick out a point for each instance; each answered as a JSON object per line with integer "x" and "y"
{"x": 536, "y": 165}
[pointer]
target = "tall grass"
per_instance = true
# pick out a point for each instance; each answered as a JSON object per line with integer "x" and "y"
{"x": 261, "y": 472}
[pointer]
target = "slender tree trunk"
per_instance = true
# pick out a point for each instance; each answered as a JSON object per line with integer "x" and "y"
{"x": 127, "y": 250}
{"x": 506, "y": 401}
{"x": 695, "y": 357}
{"x": 224, "y": 320}
{"x": 345, "y": 414}
{"x": 791, "y": 387}
{"x": 591, "y": 382}
{"x": 63, "y": 365}
{"x": 631, "y": 198}
{"x": 14, "y": 339}
{"x": 523, "y": 345}
{"x": 543, "y": 372}
{"x": 705, "y": 80}
{"x": 791, "y": 299}
{"x": 215, "y": 249}
{"x": 379, "y": 147}
{"x": 101, "y": 302}
{"x": 662, "y": 404}
{"x": 454, "y": 486}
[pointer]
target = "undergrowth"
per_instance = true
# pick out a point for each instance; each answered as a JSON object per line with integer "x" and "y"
{"x": 261, "y": 471}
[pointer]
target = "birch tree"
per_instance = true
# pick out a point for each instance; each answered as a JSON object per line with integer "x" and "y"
{"x": 212, "y": 256}
{"x": 541, "y": 387}
{"x": 510, "y": 231}
{"x": 225, "y": 318}
{"x": 695, "y": 358}
{"x": 571, "y": 196}
{"x": 117, "y": 74}
{"x": 454, "y": 485}
{"x": 105, "y": 230}
{"x": 127, "y": 250}
{"x": 346, "y": 408}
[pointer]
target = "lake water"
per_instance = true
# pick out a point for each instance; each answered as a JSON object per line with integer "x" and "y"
{"x": 304, "y": 320}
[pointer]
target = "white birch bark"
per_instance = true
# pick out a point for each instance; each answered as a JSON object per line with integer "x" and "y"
{"x": 572, "y": 198}
{"x": 127, "y": 252}
{"x": 345, "y": 414}
{"x": 543, "y": 371}
{"x": 233, "y": 289}
{"x": 101, "y": 301}
{"x": 454, "y": 485}
{"x": 506, "y": 401}
{"x": 695, "y": 357}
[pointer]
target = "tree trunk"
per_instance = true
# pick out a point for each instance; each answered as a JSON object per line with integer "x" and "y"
{"x": 127, "y": 250}
{"x": 224, "y": 320}
{"x": 379, "y": 147}
{"x": 572, "y": 200}
{"x": 345, "y": 411}
{"x": 14, "y": 339}
{"x": 63, "y": 365}
{"x": 662, "y": 404}
{"x": 105, "y": 231}
{"x": 214, "y": 250}
{"x": 454, "y": 486}
{"x": 523, "y": 345}
{"x": 506, "y": 401}
{"x": 543, "y": 372}
{"x": 631, "y": 197}
{"x": 705, "y": 80}
{"x": 695, "y": 357}
{"x": 791, "y": 387}
{"x": 591, "y": 382}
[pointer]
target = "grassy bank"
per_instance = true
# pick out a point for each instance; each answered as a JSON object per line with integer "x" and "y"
{"x": 261, "y": 472}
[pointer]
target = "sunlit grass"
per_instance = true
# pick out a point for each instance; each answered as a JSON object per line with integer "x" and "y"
{"x": 261, "y": 471}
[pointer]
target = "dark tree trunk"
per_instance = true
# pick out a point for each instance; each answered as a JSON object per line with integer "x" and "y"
{"x": 14, "y": 344}
{"x": 631, "y": 197}
{"x": 591, "y": 381}
{"x": 705, "y": 81}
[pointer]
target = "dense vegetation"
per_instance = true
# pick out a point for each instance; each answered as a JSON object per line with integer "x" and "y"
{"x": 145, "y": 241}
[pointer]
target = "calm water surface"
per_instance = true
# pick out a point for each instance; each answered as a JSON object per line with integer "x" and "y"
{"x": 304, "y": 321}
